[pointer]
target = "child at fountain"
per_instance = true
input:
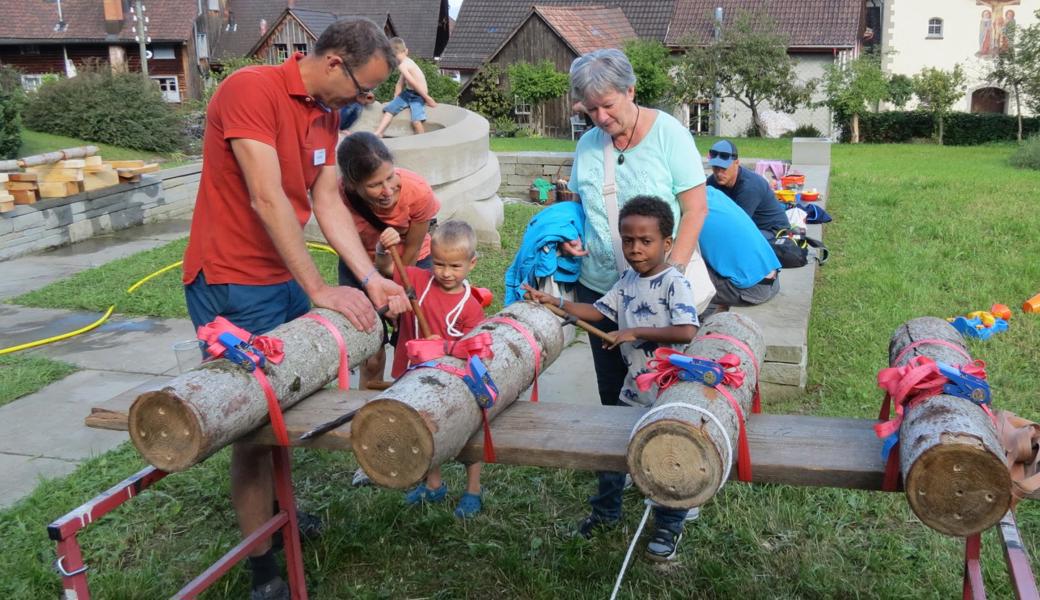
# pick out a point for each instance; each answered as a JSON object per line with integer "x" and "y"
{"x": 452, "y": 309}
{"x": 414, "y": 97}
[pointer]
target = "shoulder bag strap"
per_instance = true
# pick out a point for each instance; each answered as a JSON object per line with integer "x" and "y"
{"x": 610, "y": 202}
{"x": 362, "y": 208}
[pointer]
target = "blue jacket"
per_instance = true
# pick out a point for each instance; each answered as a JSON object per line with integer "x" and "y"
{"x": 732, "y": 245}
{"x": 537, "y": 256}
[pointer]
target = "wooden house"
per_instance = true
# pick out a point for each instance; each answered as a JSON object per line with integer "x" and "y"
{"x": 297, "y": 29}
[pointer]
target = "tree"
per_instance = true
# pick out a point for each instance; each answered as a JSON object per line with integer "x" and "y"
{"x": 12, "y": 100}
{"x": 854, "y": 87}
{"x": 441, "y": 87}
{"x": 650, "y": 60}
{"x": 1011, "y": 69}
{"x": 535, "y": 84}
{"x": 750, "y": 63}
{"x": 487, "y": 95}
{"x": 1027, "y": 56}
{"x": 900, "y": 90}
{"x": 938, "y": 90}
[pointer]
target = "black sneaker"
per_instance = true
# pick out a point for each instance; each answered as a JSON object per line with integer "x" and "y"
{"x": 663, "y": 545}
{"x": 276, "y": 589}
{"x": 311, "y": 528}
{"x": 593, "y": 523}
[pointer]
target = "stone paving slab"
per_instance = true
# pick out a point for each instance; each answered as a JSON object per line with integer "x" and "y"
{"x": 19, "y": 475}
{"x": 125, "y": 344}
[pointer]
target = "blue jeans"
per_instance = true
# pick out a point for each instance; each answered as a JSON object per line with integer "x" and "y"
{"x": 610, "y": 376}
{"x": 256, "y": 308}
{"x": 408, "y": 99}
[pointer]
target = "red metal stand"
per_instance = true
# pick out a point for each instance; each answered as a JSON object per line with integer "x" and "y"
{"x": 73, "y": 571}
{"x": 1022, "y": 579}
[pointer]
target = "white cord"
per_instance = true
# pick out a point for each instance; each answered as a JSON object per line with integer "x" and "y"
{"x": 453, "y": 315}
{"x": 628, "y": 555}
{"x": 725, "y": 435}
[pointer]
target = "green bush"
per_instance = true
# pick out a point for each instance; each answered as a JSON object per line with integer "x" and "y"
{"x": 1028, "y": 154}
{"x": 12, "y": 99}
{"x": 100, "y": 106}
{"x": 441, "y": 87}
{"x": 803, "y": 131}
{"x": 504, "y": 127}
{"x": 486, "y": 95}
{"x": 960, "y": 129}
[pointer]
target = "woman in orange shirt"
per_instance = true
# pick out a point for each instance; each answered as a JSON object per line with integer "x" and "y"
{"x": 381, "y": 196}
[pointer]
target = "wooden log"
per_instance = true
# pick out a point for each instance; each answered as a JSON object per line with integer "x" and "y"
{"x": 426, "y": 417}
{"x": 205, "y": 409}
{"x": 50, "y": 157}
{"x": 677, "y": 453}
{"x": 951, "y": 459}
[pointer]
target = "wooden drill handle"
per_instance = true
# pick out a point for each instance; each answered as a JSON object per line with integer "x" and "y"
{"x": 592, "y": 329}
{"x": 424, "y": 326}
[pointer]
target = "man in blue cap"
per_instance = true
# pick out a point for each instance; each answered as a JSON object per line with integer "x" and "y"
{"x": 748, "y": 189}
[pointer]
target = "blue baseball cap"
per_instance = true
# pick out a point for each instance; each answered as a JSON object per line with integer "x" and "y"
{"x": 722, "y": 154}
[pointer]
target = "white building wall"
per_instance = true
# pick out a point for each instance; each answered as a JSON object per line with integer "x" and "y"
{"x": 967, "y": 38}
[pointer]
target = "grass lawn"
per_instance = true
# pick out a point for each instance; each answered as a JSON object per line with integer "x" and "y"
{"x": 746, "y": 147}
{"x": 22, "y": 374}
{"x": 36, "y": 142}
{"x": 919, "y": 230}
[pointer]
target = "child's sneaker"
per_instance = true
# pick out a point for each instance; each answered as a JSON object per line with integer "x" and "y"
{"x": 469, "y": 505}
{"x": 422, "y": 494}
{"x": 663, "y": 545}
{"x": 594, "y": 523}
{"x": 360, "y": 479}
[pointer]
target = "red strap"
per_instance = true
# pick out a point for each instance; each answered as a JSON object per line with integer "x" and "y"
{"x": 890, "y": 483}
{"x": 534, "y": 347}
{"x": 489, "y": 444}
{"x": 344, "y": 353}
{"x": 756, "y": 400}
{"x": 273, "y": 408}
{"x": 930, "y": 341}
{"x": 272, "y": 348}
{"x": 420, "y": 351}
{"x": 743, "y": 449}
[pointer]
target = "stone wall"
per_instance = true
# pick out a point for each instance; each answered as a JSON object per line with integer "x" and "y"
{"x": 519, "y": 169}
{"x": 55, "y": 222}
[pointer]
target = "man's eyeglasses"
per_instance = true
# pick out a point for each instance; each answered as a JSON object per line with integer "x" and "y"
{"x": 361, "y": 91}
{"x": 722, "y": 155}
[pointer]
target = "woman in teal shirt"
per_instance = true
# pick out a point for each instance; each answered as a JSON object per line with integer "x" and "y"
{"x": 652, "y": 154}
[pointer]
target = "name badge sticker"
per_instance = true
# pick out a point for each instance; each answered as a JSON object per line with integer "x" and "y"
{"x": 319, "y": 157}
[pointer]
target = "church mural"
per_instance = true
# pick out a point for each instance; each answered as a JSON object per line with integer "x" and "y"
{"x": 996, "y": 18}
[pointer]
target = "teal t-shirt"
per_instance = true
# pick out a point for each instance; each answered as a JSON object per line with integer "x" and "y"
{"x": 664, "y": 164}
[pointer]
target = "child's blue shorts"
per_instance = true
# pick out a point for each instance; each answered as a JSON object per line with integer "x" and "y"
{"x": 408, "y": 99}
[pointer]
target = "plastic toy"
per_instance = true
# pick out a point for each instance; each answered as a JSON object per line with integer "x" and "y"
{"x": 1032, "y": 305}
{"x": 980, "y": 325}
{"x": 1001, "y": 311}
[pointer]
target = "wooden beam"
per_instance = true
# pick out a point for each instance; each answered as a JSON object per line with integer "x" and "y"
{"x": 59, "y": 189}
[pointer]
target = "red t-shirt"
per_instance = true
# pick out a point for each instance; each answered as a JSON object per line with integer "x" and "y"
{"x": 268, "y": 104}
{"x": 416, "y": 202}
{"x": 436, "y": 306}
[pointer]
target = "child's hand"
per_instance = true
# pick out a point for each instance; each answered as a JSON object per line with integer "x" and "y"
{"x": 538, "y": 296}
{"x": 431, "y": 102}
{"x": 389, "y": 238}
{"x": 620, "y": 337}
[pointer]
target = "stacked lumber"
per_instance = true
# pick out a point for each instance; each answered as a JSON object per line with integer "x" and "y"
{"x": 22, "y": 187}
{"x": 6, "y": 199}
{"x": 59, "y": 179}
{"x": 64, "y": 173}
{"x": 131, "y": 170}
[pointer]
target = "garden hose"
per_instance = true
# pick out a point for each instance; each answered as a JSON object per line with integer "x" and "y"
{"x": 112, "y": 308}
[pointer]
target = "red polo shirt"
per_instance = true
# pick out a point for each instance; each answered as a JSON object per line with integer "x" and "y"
{"x": 268, "y": 104}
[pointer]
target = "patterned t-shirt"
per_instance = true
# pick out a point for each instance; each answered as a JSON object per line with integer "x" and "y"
{"x": 659, "y": 301}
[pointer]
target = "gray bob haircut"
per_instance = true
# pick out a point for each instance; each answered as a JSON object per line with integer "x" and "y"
{"x": 601, "y": 71}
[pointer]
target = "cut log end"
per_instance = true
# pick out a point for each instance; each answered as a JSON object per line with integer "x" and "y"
{"x": 166, "y": 431}
{"x": 675, "y": 464}
{"x": 393, "y": 443}
{"x": 959, "y": 488}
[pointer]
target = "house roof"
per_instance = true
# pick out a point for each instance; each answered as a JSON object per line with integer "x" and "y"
{"x": 412, "y": 20}
{"x": 807, "y": 23}
{"x": 33, "y": 22}
{"x": 483, "y": 25}
{"x": 587, "y": 28}
{"x": 316, "y": 22}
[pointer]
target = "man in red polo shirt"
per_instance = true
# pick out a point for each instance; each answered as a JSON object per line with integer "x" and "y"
{"x": 268, "y": 157}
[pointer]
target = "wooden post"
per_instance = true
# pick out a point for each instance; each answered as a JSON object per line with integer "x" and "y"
{"x": 677, "y": 453}
{"x": 952, "y": 462}
{"x": 427, "y": 416}
{"x": 209, "y": 407}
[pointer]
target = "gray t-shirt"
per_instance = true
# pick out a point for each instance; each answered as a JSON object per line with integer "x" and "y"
{"x": 659, "y": 301}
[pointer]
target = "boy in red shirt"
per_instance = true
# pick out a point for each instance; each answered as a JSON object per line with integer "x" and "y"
{"x": 452, "y": 310}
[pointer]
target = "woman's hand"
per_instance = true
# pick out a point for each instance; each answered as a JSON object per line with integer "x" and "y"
{"x": 573, "y": 248}
{"x": 389, "y": 238}
{"x": 538, "y": 296}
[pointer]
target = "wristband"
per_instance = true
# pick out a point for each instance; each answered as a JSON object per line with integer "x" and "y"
{"x": 366, "y": 278}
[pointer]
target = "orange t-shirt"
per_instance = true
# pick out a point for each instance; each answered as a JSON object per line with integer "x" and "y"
{"x": 416, "y": 202}
{"x": 268, "y": 104}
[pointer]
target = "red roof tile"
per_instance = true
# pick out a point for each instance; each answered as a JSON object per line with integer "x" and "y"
{"x": 33, "y": 21}
{"x": 588, "y": 28}
{"x": 807, "y": 23}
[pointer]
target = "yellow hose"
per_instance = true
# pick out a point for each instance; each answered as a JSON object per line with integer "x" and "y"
{"x": 111, "y": 309}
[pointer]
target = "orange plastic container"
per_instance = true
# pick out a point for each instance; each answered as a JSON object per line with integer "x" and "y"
{"x": 810, "y": 196}
{"x": 1032, "y": 305}
{"x": 792, "y": 180}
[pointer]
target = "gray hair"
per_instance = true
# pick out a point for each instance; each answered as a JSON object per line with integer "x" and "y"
{"x": 601, "y": 71}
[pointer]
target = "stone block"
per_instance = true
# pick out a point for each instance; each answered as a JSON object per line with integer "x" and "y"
{"x": 784, "y": 374}
{"x": 811, "y": 151}
{"x": 485, "y": 217}
{"x": 508, "y": 168}
{"x": 506, "y": 158}
{"x": 775, "y": 391}
{"x": 530, "y": 170}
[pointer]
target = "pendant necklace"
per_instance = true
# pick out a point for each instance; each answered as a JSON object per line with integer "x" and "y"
{"x": 621, "y": 152}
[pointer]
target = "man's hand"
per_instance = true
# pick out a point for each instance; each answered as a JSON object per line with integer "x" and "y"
{"x": 573, "y": 248}
{"x": 538, "y": 296}
{"x": 384, "y": 292}
{"x": 348, "y": 301}
{"x": 620, "y": 337}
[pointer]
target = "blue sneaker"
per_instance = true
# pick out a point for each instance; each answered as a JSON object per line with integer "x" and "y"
{"x": 469, "y": 505}
{"x": 422, "y": 494}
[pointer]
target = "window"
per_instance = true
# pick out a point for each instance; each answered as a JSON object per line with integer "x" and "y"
{"x": 29, "y": 49}
{"x": 31, "y": 83}
{"x": 169, "y": 88}
{"x": 280, "y": 53}
{"x": 700, "y": 117}
{"x": 300, "y": 48}
{"x": 935, "y": 27}
{"x": 163, "y": 53}
{"x": 522, "y": 110}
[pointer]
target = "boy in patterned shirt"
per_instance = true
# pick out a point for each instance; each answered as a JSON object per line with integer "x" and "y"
{"x": 653, "y": 306}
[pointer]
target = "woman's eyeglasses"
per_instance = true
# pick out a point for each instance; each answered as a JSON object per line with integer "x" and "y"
{"x": 722, "y": 155}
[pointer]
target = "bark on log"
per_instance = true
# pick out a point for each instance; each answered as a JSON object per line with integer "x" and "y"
{"x": 677, "y": 454}
{"x": 427, "y": 416}
{"x": 951, "y": 459}
{"x": 205, "y": 409}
